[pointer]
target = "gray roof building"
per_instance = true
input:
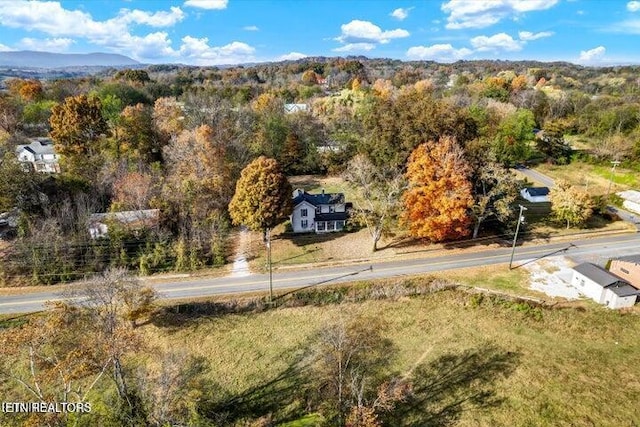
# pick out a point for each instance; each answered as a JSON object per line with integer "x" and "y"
{"x": 599, "y": 275}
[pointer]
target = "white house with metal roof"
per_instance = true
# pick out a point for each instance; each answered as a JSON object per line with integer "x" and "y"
{"x": 603, "y": 286}
{"x": 318, "y": 213}
{"x": 535, "y": 194}
{"x": 39, "y": 155}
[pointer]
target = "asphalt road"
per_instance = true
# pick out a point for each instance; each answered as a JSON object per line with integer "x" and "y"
{"x": 610, "y": 246}
{"x": 536, "y": 176}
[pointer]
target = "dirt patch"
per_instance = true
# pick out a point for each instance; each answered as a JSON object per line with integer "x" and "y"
{"x": 552, "y": 276}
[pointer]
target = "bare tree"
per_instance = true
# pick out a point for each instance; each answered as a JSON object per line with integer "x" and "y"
{"x": 115, "y": 301}
{"x": 348, "y": 358}
{"x": 380, "y": 190}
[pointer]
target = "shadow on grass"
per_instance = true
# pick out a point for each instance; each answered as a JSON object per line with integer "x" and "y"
{"x": 410, "y": 242}
{"x": 182, "y": 315}
{"x": 452, "y": 384}
{"x": 443, "y": 390}
{"x": 305, "y": 239}
{"x": 278, "y": 400}
{"x": 283, "y": 261}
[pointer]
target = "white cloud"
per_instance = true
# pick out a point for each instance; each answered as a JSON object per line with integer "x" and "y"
{"x": 251, "y": 28}
{"x": 116, "y": 35}
{"x": 291, "y": 56}
{"x": 48, "y": 45}
{"x": 401, "y": 13}
{"x": 438, "y": 52}
{"x": 197, "y": 51}
{"x": 528, "y": 36}
{"x": 484, "y": 13}
{"x": 500, "y": 41}
{"x": 633, "y": 6}
{"x": 352, "y": 47}
{"x": 4, "y": 48}
{"x": 358, "y": 32}
{"x": 156, "y": 19}
{"x": 592, "y": 55}
{"x": 207, "y": 4}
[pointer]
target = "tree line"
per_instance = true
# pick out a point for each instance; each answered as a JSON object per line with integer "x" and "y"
{"x": 177, "y": 139}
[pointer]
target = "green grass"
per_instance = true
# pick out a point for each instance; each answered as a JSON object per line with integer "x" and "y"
{"x": 567, "y": 354}
{"x": 533, "y": 360}
{"x": 306, "y": 421}
{"x": 9, "y": 321}
{"x": 496, "y": 277}
{"x": 595, "y": 178}
{"x": 624, "y": 177}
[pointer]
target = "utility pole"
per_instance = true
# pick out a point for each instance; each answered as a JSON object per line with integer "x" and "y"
{"x": 269, "y": 262}
{"x": 613, "y": 171}
{"x": 513, "y": 248}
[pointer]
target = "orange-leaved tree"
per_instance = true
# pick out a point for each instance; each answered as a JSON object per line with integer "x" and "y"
{"x": 438, "y": 200}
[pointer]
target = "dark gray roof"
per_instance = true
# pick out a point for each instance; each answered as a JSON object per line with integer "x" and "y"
{"x": 624, "y": 290}
{"x": 598, "y": 274}
{"x": 333, "y": 216}
{"x": 319, "y": 199}
{"x": 537, "y": 191}
{"x": 38, "y": 146}
{"x": 630, "y": 258}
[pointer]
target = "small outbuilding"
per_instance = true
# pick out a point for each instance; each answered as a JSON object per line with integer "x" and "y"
{"x": 131, "y": 220}
{"x": 603, "y": 287}
{"x": 535, "y": 194}
{"x": 631, "y": 200}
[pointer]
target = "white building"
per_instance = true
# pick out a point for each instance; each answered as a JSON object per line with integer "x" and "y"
{"x": 631, "y": 200}
{"x": 131, "y": 220}
{"x": 295, "y": 108}
{"x": 603, "y": 287}
{"x": 535, "y": 194}
{"x": 319, "y": 213}
{"x": 39, "y": 155}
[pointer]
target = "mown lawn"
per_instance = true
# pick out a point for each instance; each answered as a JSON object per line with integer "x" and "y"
{"x": 557, "y": 368}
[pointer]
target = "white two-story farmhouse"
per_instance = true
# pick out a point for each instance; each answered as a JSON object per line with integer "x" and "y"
{"x": 319, "y": 213}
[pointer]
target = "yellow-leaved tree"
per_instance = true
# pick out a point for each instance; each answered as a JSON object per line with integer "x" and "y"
{"x": 438, "y": 201}
{"x": 263, "y": 196}
{"x": 569, "y": 204}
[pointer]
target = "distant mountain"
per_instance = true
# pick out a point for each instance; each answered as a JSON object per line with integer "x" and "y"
{"x": 32, "y": 59}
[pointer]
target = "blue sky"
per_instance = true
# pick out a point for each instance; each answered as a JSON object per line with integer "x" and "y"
{"x": 211, "y": 32}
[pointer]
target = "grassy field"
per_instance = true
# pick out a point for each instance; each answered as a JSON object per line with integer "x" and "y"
{"x": 473, "y": 359}
{"x": 554, "y": 369}
{"x": 595, "y": 178}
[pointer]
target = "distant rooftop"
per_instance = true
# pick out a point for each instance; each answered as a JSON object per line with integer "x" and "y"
{"x": 126, "y": 217}
{"x": 537, "y": 191}
{"x": 38, "y": 146}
